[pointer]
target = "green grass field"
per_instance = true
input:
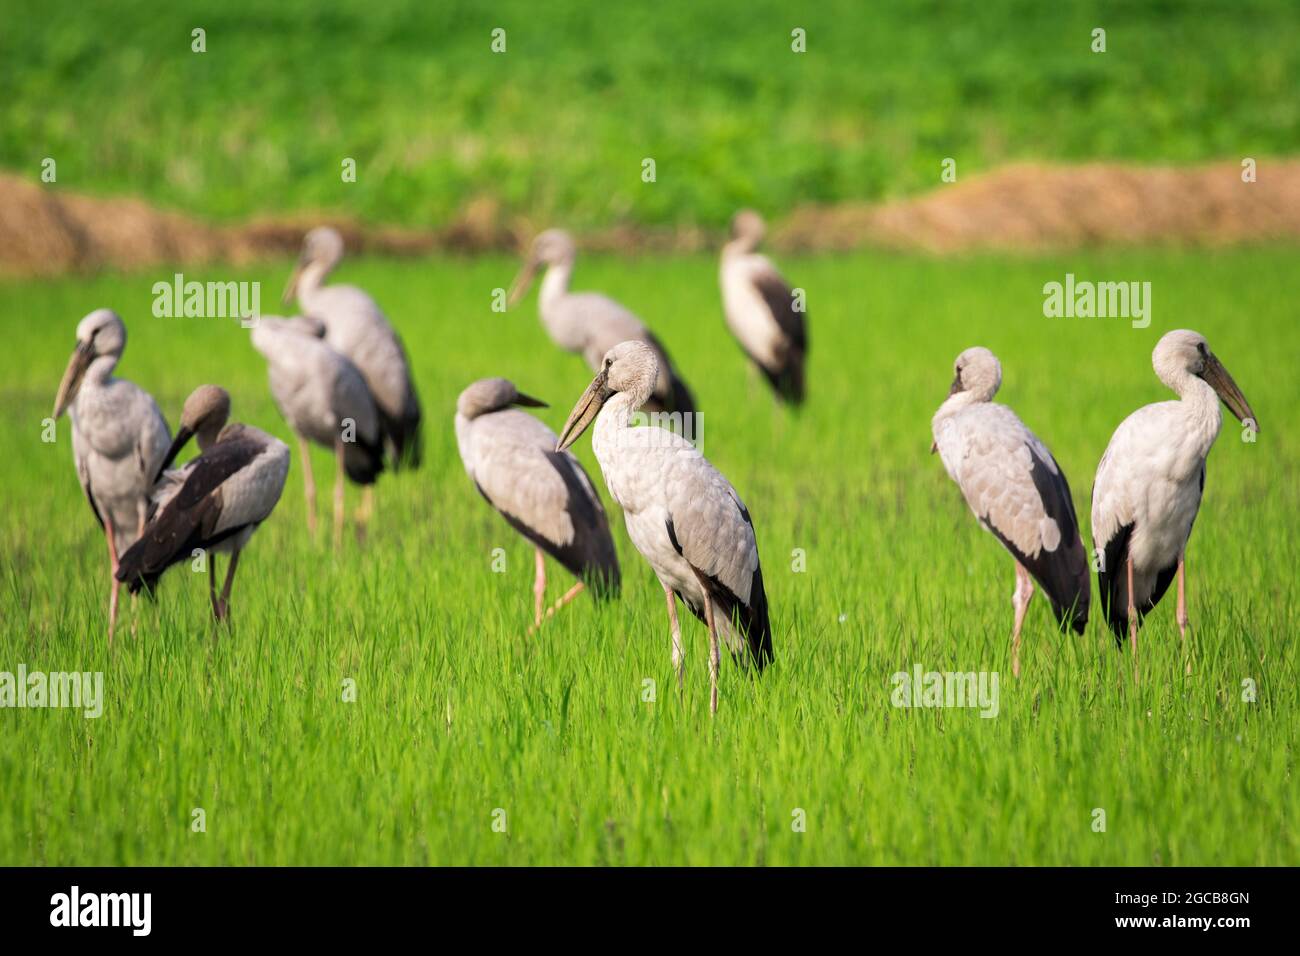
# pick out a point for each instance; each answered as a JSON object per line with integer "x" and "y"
{"x": 555, "y": 129}
{"x": 459, "y": 713}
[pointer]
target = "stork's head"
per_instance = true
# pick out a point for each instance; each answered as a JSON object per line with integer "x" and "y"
{"x": 322, "y": 248}
{"x": 204, "y": 414}
{"x": 629, "y": 368}
{"x": 99, "y": 335}
{"x": 1181, "y": 353}
{"x": 491, "y": 395}
{"x": 748, "y": 228}
{"x": 551, "y": 248}
{"x": 978, "y": 373}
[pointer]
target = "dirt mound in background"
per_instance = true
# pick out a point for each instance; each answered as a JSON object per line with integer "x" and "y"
{"x": 48, "y": 231}
{"x": 1033, "y": 207}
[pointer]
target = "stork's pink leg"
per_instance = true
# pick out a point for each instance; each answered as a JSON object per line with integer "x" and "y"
{"x": 115, "y": 583}
{"x": 569, "y": 595}
{"x": 1132, "y": 620}
{"x": 308, "y": 485}
{"x": 679, "y": 660}
{"x": 715, "y": 654}
{"x": 1020, "y": 601}
{"x": 223, "y": 603}
{"x": 1181, "y": 614}
{"x": 539, "y": 587}
{"x": 212, "y": 584}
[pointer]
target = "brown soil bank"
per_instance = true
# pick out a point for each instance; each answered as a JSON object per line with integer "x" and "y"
{"x": 48, "y": 231}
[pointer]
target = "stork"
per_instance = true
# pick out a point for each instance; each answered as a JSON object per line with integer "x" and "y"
{"x": 214, "y": 503}
{"x": 682, "y": 514}
{"x": 324, "y": 399}
{"x": 119, "y": 438}
{"x": 542, "y": 493}
{"x": 1150, "y": 481}
{"x": 762, "y": 311}
{"x": 590, "y": 324}
{"x": 1016, "y": 490}
{"x": 356, "y": 327}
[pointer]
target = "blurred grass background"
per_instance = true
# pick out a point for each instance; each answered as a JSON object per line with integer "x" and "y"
{"x": 556, "y": 128}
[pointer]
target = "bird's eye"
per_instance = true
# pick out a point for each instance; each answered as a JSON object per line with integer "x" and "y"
{"x": 1200, "y": 347}
{"x": 608, "y": 362}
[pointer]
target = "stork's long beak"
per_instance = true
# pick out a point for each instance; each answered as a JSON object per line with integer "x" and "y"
{"x": 529, "y": 402}
{"x": 519, "y": 288}
{"x": 1219, "y": 379}
{"x": 183, "y": 435}
{"x": 81, "y": 358}
{"x": 585, "y": 411}
{"x": 291, "y": 287}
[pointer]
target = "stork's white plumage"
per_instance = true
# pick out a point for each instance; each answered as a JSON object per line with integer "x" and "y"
{"x": 1016, "y": 490}
{"x": 324, "y": 398}
{"x": 119, "y": 437}
{"x": 762, "y": 311}
{"x": 214, "y": 503}
{"x": 1150, "y": 480}
{"x": 591, "y": 324}
{"x": 682, "y": 514}
{"x": 542, "y": 493}
{"x": 357, "y": 328}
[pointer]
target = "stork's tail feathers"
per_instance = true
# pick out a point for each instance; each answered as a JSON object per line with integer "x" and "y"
{"x": 131, "y": 571}
{"x": 404, "y": 436}
{"x": 788, "y": 381}
{"x": 363, "y": 462}
{"x": 751, "y": 619}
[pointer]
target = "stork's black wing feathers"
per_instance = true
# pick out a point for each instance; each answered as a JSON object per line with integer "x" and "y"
{"x": 1062, "y": 574}
{"x": 787, "y": 378}
{"x": 190, "y": 518}
{"x": 752, "y": 619}
{"x": 590, "y": 556}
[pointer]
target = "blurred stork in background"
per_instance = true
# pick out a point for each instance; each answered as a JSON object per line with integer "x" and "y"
{"x": 542, "y": 493}
{"x": 324, "y": 398}
{"x": 214, "y": 503}
{"x": 591, "y": 324}
{"x": 762, "y": 311}
{"x": 119, "y": 438}
{"x": 1150, "y": 480}
{"x": 1016, "y": 490}
{"x": 356, "y": 328}
{"x": 682, "y": 514}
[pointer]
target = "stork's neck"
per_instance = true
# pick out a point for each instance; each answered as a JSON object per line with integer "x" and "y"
{"x": 1200, "y": 405}
{"x": 955, "y": 403}
{"x": 560, "y": 324}
{"x": 100, "y": 372}
{"x": 741, "y": 246}
{"x": 312, "y": 280}
{"x": 555, "y": 284}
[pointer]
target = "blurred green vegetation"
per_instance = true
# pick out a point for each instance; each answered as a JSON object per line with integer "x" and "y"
{"x": 556, "y": 128}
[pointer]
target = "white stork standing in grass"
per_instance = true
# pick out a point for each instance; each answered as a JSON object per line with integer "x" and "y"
{"x": 683, "y": 516}
{"x": 214, "y": 503}
{"x": 761, "y": 310}
{"x": 1149, "y": 483}
{"x": 591, "y": 324}
{"x": 324, "y": 399}
{"x": 1016, "y": 490}
{"x": 119, "y": 438}
{"x": 544, "y": 494}
{"x": 356, "y": 327}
